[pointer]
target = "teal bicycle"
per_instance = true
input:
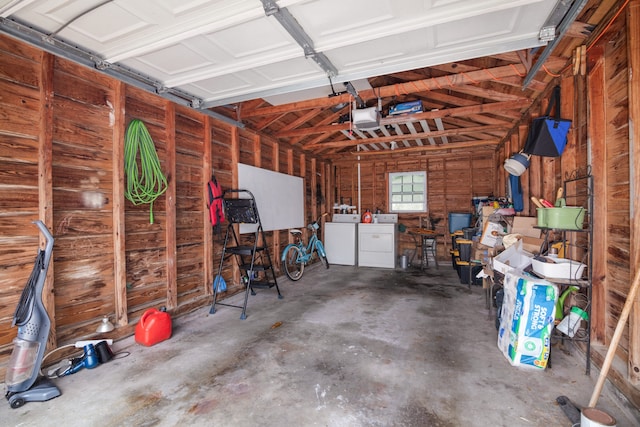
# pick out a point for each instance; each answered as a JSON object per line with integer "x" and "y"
{"x": 296, "y": 255}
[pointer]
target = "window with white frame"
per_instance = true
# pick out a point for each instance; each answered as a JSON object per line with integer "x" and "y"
{"x": 408, "y": 192}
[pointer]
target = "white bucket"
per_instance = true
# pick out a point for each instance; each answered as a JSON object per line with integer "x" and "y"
{"x": 592, "y": 417}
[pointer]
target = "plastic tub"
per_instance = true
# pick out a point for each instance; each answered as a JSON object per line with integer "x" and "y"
{"x": 469, "y": 232}
{"x": 557, "y": 268}
{"x": 464, "y": 248}
{"x": 458, "y": 221}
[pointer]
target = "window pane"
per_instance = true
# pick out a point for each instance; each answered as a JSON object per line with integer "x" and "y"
{"x": 408, "y": 192}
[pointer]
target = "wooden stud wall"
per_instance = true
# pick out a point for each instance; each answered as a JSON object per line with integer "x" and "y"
{"x": 62, "y": 132}
{"x": 61, "y": 161}
{"x": 452, "y": 182}
{"x": 633, "y": 52}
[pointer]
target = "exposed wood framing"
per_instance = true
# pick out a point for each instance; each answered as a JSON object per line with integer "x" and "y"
{"x": 449, "y": 132}
{"x": 208, "y": 271}
{"x": 398, "y": 89}
{"x": 170, "y": 206}
{"x": 633, "y": 51}
{"x": 235, "y": 159}
{"x": 494, "y": 107}
{"x": 597, "y": 117}
{"x": 430, "y": 148}
{"x": 119, "y": 254}
{"x": 45, "y": 178}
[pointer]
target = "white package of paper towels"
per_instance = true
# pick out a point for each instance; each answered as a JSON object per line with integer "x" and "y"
{"x": 527, "y": 320}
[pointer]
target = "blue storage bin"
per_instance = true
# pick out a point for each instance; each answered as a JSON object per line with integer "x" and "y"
{"x": 458, "y": 221}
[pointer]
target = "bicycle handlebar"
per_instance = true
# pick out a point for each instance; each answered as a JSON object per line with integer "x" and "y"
{"x": 315, "y": 224}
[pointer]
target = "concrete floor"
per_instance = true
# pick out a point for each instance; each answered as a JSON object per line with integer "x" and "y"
{"x": 356, "y": 347}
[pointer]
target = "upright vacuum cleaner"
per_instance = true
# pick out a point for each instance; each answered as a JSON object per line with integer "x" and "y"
{"x": 23, "y": 380}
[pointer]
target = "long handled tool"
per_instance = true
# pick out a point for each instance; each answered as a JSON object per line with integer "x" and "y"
{"x": 571, "y": 410}
{"x": 631, "y": 297}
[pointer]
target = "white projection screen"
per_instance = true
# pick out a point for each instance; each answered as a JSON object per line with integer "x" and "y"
{"x": 280, "y": 198}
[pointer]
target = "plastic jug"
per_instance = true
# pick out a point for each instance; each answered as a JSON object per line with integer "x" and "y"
{"x": 154, "y": 326}
{"x": 367, "y": 217}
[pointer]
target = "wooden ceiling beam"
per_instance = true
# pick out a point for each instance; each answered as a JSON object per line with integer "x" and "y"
{"x": 435, "y": 134}
{"x": 265, "y": 122}
{"x": 425, "y": 85}
{"x": 303, "y": 119}
{"x": 457, "y": 145}
{"x": 494, "y": 107}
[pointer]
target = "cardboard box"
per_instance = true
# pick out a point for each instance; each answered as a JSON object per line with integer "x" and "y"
{"x": 531, "y": 244}
{"x": 480, "y": 252}
{"x": 486, "y": 211}
{"x": 512, "y": 259}
{"x": 524, "y": 225}
{"x": 491, "y": 234}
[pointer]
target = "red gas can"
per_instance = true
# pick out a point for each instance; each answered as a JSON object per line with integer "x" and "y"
{"x": 154, "y": 326}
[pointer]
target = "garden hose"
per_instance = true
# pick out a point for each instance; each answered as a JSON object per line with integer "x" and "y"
{"x": 145, "y": 180}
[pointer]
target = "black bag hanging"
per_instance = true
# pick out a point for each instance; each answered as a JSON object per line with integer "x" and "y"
{"x": 548, "y": 135}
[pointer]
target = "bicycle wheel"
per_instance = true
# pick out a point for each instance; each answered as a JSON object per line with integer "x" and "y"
{"x": 322, "y": 254}
{"x": 291, "y": 264}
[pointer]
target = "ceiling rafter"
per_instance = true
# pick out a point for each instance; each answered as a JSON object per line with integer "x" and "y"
{"x": 417, "y": 86}
{"x": 470, "y": 144}
{"x": 493, "y": 107}
{"x": 433, "y": 134}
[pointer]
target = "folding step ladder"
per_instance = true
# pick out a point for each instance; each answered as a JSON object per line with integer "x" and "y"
{"x": 248, "y": 249}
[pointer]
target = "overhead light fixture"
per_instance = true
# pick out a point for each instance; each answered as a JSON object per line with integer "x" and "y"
{"x": 517, "y": 164}
{"x": 105, "y": 326}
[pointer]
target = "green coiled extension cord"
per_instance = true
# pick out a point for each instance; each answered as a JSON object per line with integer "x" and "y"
{"x": 145, "y": 180}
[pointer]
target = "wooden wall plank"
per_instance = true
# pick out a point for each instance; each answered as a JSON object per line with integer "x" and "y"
{"x": 170, "y": 205}
{"x": 597, "y": 113}
{"x": 617, "y": 172}
{"x": 633, "y": 53}
{"x": 98, "y": 233}
{"x": 118, "y": 210}
{"x": 45, "y": 182}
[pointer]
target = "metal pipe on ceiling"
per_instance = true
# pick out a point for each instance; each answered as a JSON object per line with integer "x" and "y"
{"x": 295, "y": 30}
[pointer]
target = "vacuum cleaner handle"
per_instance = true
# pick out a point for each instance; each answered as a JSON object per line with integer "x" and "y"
{"x": 49, "y": 244}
